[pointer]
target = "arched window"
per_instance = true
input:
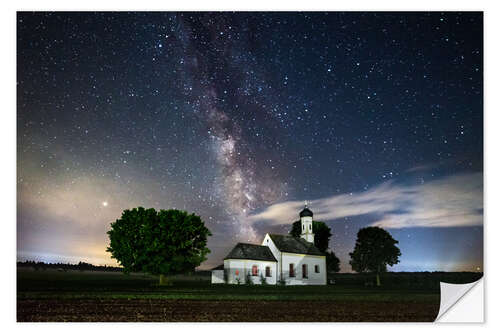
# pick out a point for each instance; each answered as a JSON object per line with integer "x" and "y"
{"x": 310, "y": 227}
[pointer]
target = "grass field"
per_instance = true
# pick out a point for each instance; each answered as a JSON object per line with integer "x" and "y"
{"x": 53, "y": 295}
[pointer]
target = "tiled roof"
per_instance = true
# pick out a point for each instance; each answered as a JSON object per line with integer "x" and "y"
{"x": 294, "y": 245}
{"x": 251, "y": 251}
{"x": 218, "y": 268}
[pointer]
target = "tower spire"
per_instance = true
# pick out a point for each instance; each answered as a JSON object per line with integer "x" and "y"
{"x": 306, "y": 216}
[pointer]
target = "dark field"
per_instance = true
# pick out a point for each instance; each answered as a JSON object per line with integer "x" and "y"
{"x": 53, "y": 295}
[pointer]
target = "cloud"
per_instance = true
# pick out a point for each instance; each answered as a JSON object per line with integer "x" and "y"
{"x": 423, "y": 167}
{"x": 67, "y": 218}
{"x": 451, "y": 201}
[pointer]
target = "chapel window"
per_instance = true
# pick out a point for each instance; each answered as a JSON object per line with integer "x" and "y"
{"x": 304, "y": 271}
{"x": 268, "y": 271}
{"x": 255, "y": 271}
{"x": 292, "y": 271}
{"x": 316, "y": 268}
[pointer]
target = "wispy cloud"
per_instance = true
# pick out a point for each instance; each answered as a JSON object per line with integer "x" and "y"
{"x": 423, "y": 167}
{"x": 451, "y": 201}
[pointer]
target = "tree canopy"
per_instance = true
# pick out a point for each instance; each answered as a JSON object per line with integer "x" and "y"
{"x": 374, "y": 250}
{"x": 332, "y": 262}
{"x": 321, "y": 232}
{"x": 322, "y": 236}
{"x": 164, "y": 242}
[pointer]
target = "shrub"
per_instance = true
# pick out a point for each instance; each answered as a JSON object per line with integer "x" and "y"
{"x": 248, "y": 280}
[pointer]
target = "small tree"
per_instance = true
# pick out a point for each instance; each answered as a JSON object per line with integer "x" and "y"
{"x": 263, "y": 280}
{"x": 374, "y": 250}
{"x": 248, "y": 279}
{"x": 321, "y": 232}
{"x": 160, "y": 243}
{"x": 332, "y": 262}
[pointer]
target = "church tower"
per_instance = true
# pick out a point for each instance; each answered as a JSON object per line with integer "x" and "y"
{"x": 306, "y": 221}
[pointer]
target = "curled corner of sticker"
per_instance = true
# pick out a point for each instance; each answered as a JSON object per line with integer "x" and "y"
{"x": 461, "y": 303}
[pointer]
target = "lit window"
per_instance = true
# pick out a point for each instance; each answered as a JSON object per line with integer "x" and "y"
{"x": 255, "y": 271}
{"x": 268, "y": 271}
{"x": 316, "y": 269}
{"x": 292, "y": 271}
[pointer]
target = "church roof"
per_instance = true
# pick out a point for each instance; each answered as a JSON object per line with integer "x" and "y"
{"x": 251, "y": 251}
{"x": 218, "y": 268}
{"x": 290, "y": 244}
{"x": 306, "y": 212}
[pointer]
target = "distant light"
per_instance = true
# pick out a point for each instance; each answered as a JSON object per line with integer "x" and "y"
{"x": 105, "y": 203}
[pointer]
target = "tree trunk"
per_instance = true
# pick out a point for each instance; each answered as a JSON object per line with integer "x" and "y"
{"x": 378, "y": 279}
{"x": 164, "y": 281}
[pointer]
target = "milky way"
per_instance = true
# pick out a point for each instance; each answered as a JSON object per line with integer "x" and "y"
{"x": 375, "y": 118}
{"x": 209, "y": 50}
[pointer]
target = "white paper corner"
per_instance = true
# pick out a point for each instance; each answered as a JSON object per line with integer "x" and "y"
{"x": 461, "y": 303}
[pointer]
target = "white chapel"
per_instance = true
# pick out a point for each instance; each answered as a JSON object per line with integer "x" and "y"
{"x": 280, "y": 259}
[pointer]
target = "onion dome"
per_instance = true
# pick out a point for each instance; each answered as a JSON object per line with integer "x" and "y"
{"x": 306, "y": 212}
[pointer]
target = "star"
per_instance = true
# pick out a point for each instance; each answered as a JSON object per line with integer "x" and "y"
{"x": 242, "y": 111}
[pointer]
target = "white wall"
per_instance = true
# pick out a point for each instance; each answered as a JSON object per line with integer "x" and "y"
{"x": 244, "y": 266}
{"x": 298, "y": 260}
{"x": 218, "y": 276}
{"x": 276, "y": 253}
{"x": 306, "y": 227}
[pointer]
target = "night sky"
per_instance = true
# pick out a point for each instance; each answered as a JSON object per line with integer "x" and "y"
{"x": 373, "y": 118}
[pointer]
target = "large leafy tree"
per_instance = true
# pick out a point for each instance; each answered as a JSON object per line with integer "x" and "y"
{"x": 374, "y": 250}
{"x": 322, "y": 234}
{"x": 160, "y": 243}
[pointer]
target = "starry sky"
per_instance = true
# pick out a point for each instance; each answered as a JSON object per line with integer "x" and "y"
{"x": 373, "y": 118}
